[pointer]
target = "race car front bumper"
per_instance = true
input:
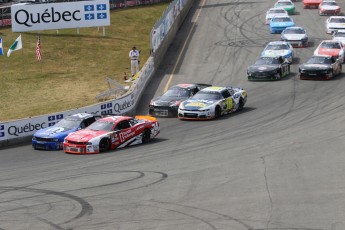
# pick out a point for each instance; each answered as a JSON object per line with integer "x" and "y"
{"x": 163, "y": 111}
{"x": 315, "y": 76}
{"x": 79, "y": 148}
{"x": 195, "y": 115}
{"x": 46, "y": 145}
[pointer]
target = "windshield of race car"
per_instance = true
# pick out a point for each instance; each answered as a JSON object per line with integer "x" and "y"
{"x": 319, "y": 60}
{"x": 284, "y": 4}
{"x": 330, "y": 45}
{"x": 68, "y": 124}
{"x": 277, "y": 47}
{"x": 286, "y": 19}
{"x": 101, "y": 126}
{"x": 267, "y": 61}
{"x": 177, "y": 92}
{"x": 294, "y": 31}
{"x": 337, "y": 20}
{"x": 329, "y": 4}
{"x": 207, "y": 95}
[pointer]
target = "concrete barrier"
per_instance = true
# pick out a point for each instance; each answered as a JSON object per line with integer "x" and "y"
{"x": 20, "y": 131}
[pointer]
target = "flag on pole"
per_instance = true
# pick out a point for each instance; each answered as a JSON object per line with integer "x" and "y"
{"x": 38, "y": 49}
{"x": 17, "y": 45}
{"x": 1, "y": 50}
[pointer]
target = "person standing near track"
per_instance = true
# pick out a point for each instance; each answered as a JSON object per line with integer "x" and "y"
{"x": 134, "y": 56}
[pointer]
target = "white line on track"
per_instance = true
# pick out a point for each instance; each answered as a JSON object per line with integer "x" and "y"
{"x": 183, "y": 47}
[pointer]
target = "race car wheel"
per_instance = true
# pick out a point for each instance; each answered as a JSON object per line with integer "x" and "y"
{"x": 104, "y": 145}
{"x": 217, "y": 112}
{"x": 240, "y": 104}
{"x": 146, "y": 138}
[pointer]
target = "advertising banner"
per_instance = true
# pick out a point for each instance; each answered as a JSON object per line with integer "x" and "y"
{"x": 35, "y": 17}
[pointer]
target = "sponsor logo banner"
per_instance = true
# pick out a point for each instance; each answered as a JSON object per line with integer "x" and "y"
{"x": 29, "y": 17}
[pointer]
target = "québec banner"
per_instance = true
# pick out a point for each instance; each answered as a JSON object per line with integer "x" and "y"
{"x": 36, "y": 17}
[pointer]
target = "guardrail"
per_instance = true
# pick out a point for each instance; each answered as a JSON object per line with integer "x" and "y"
{"x": 20, "y": 131}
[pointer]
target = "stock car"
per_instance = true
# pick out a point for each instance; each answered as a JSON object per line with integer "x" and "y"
{"x": 167, "y": 104}
{"x": 279, "y": 49}
{"x": 296, "y": 36}
{"x": 112, "y": 132}
{"x": 280, "y": 23}
{"x": 320, "y": 67}
{"x": 212, "y": 102}
{"x": 311, "y": 3}
{"x": 332, "y": 48}
{"x": 268, "y": 68}
{"x": 335, "y": 23}
{"x": 52, "y": 138}
{"x": 339, "y": 36}
{"x": 275, "y": 12}
{"x": 329, "y": 8}
{"x": 286, "y": 5}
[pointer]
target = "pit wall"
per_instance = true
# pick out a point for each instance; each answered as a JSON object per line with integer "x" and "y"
{"x": 21, "y": 131}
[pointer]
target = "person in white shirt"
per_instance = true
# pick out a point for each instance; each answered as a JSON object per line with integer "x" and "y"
{"x": 134, "y": 56}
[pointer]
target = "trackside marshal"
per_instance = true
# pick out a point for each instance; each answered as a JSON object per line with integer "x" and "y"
{"x": 30, "y": 17}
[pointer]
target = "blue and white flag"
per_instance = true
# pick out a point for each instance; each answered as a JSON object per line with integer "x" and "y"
{"x": 1, "y": 50}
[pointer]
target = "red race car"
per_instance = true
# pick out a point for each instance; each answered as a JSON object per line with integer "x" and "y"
{"x": 112, "y": 132}
{"x": 311, "y": 3}
{"x": 332, "y": 48}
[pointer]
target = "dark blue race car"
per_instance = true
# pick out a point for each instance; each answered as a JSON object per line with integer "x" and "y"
{"x": 51, "y": 138}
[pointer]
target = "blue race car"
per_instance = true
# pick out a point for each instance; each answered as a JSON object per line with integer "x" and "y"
{"x": 279, "y": 49}
{"x": 280, "y": 23}
{"x": 51, "y": 138}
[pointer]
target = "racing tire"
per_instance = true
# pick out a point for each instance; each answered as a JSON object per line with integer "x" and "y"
{"x": 146, "y": 138}
{"x": 240, "y": 104}
{"x": 340, "y": 70}
{"x": 217, "y": 112}
{"x": 104, "y": 145}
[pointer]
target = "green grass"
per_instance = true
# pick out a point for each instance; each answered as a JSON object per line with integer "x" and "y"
{"x": 73, "y": 66}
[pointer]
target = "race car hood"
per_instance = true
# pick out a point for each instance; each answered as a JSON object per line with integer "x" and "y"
{"x": 294, "y": 36}
{"x": 281, "y": 24}
{"x": 275, "y": 53}
{"x": 315, "y": 67}
{"x": 196, "y": 104}
{"x": 53, "y": 132}
{"x": 329, "y": 7}
{"x": 262, "y": 68}
{"x": 85, "y": 135}
{"x": 166, "y": 101}
{"x": 336, "y": 25}
{"x": 331, "y": 52}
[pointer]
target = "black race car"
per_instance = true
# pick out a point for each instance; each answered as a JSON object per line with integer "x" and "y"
{"x": 268, "y": 68}
{"x": 167, "y": 104}
{"x": 320, "y": 67}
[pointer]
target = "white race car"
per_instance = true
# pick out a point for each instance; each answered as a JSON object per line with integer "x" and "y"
{"x": 339, "y": 36}
{"x": 296, "y": 36}
{"x": 335, "y": 23}
{"x": 212, "y": 102}
{"x": 273, "y": 12}
{"x": 279, "y": 49}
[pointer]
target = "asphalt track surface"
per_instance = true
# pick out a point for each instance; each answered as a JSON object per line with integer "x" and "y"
{"x": 279, "y": 164}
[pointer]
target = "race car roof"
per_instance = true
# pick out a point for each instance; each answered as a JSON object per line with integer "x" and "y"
{"x": 79, "y": 116}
